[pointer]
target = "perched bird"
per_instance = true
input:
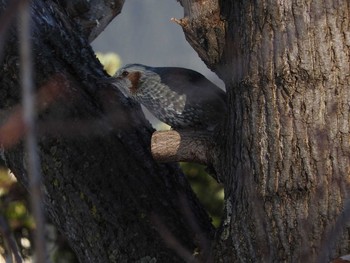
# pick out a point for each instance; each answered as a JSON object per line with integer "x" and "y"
{"x": 182, "y": 98}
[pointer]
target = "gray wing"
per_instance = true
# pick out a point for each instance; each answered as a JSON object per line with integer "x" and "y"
{"x": 203, "y": 97}
{"x": 197, "y": 88}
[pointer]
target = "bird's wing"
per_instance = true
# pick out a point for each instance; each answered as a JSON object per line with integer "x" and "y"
{"x": 196, "y": 87}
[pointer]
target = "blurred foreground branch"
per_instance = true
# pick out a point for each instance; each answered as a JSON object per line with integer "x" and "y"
{"x": 29, "y": 117}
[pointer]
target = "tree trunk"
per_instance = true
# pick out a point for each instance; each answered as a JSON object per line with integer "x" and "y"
{"x": 286, "y": 69}
{"x": 284, "y": 161}
{"x": 102, "y": 188}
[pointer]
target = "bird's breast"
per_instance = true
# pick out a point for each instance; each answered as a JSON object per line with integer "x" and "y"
{"x": 161, "y": 100}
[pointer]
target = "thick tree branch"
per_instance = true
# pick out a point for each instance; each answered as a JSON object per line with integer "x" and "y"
{"x": 204, "y": 29}
{"x": 93, "y": 16}
{"x": 105, "y": 181}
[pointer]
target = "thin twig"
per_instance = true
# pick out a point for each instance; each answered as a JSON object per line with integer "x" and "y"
{"x": 171, "y": 241}
{"x": 204, "y": 243}
{"x": 9, "y": 239}
{"x": 29, "y": 116}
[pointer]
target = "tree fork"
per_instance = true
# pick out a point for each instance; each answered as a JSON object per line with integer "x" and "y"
{"x": 101, "y": 187}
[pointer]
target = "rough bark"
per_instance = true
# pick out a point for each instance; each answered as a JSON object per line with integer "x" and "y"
{"x": 92, "y": 15}
{"x": 102, "y": 188}
{"x": 286, "y": 167}
{"x": 284, "y": 158}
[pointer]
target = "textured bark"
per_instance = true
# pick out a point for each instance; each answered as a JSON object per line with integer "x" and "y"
{"x": 286, "y": 69}
{"x": 284, "y": 156}
{"x": 102, "y": 188}
{"x": 92, "y": 15}
{"x": 204, "y": 29}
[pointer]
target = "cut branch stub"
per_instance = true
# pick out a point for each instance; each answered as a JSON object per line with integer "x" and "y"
{"x": 204, "y": 29}
{"x": 182, "y": 146}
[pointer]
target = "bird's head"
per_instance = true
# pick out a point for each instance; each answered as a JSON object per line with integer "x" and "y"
{"x": 133, "y": 79}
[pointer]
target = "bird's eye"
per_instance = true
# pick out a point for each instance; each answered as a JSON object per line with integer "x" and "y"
{"x": 125, "y": 73}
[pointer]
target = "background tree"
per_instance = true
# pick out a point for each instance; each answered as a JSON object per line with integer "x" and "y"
{"x": 283, "y": 159}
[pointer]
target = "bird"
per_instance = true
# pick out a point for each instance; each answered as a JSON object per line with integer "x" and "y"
{"x": 182, "y": 98}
